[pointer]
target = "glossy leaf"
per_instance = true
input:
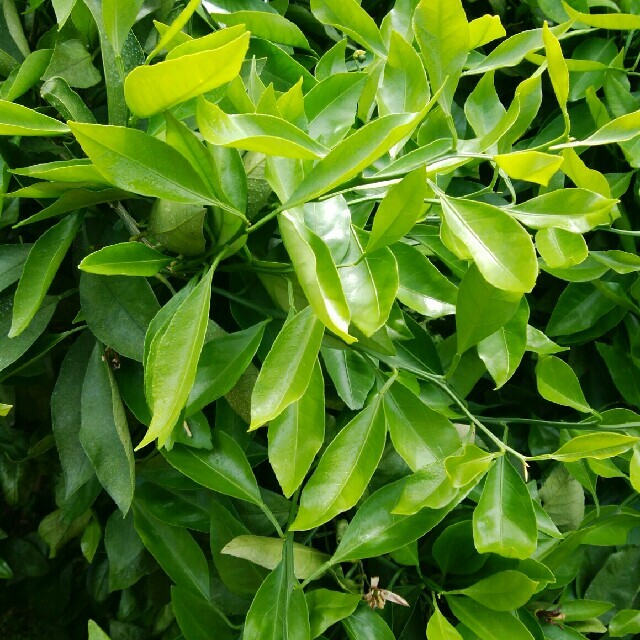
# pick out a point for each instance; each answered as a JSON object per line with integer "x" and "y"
{"x": 126, "y": 259}
{"x": 173, "y": 359}
{"x": 17, "y": 120}
{"x": 196, "y": 616}
{"x": 504, "y": 521}
{"x": 500, "y": 247}
{"x": 364, "y": 623}
{"x": 502, "y": 591}
{"x": 39, "y": 269}
{"x": 267, "y": 552}
{"x": 296, "y": 435}
{"x": 104, "y": 433}
{"x": 344, "y": 469}
{"x": 439, "y": 628}
{"x": 558, "y": 383}
{"x": 328, "y": 607}
{"x": 594, "y": 445}
{"x": 351, "y": 373}
{"x": 224, "y": 469}
{"x": 533, "y": 166}
{"x": 560, "y": 248}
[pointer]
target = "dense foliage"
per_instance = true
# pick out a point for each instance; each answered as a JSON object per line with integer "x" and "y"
{"x": 312, "y": 307}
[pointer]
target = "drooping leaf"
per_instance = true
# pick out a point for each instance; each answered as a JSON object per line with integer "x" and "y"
{"x": 125, "y": 259}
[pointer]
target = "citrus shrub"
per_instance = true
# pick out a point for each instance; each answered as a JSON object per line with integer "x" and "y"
{"x": 319, "y": 320}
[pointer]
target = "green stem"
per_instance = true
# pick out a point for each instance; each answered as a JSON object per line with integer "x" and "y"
{"x": 270, "y": 216}
{"x": 267, "y": 311}
{"x": 272, "y": 519}
{"x": 317, "y": 573}
{"x": 586, "y": 425}
{"x": 231, "y": 625}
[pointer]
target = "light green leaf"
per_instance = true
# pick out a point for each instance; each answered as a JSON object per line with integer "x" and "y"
{"x": 481, "y": 309}
{"x": 17, "y": 120}
{"x": 328, "y": 607}
{"x": 557, "y": 68}
{"x": 296, "y": 435}
{"x": 287, "y": 369}
{"x": 317, "y": 273}
{"x": 439, "y": 628}
{"x": 502, "y": 591}
{"x": 503, "y": 350}
{"x": 504, "y": 521}
{"x": 174, "y": 29}
{"x": 422, "y": 287}
{"x": 399, "y": 210}
{"x": 72, "y": 62}
{"x": 419, "y": 434}
{"x": 153, "y": 89}
{"x": 485, "y": 29}
{"x": 267, "y": 552}
{"x": 126, "y": 259}
{"x": 533, "y": 166}
{"x": 624, "y": 622}
{"x": 135, "y": 161}
{"x": 345, "y": 468}
{"x": 601, "y": 445}
{"x": 349, "y": 17}
{"x": 560, "y": 248}
{"x": 63, "y": 171}
{"x": 96, "y": 633}
{"x": 558, "y": 383}
{"x": 620, "y": 129}
{"x": 173, "y": 359}
{"x": 256, "y": 132}
{"x": 613, "y": 21}
{"x": 104, "y": 433}
{"x": 500, "y": 247}
{"x": 39, "y": 270}
{"x": 224, "y": 469}
{"x": 22, "y": 78}
{"x": 442, "y": 31}
{"x": 118, "y": 17}
{"x": 178, "y": 226}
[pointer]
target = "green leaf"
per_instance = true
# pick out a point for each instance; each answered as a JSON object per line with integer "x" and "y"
{"x": 196, "y": 616}
{"x": 173, "y": 360}
{"x": 118, "y": 311}
{"x": 126, "y": 259}
{"x": 503, "y": 350}
{"x": 328, "y": 607}
{"x": 175, "y": 28}
{"x": 224, "y": 469}
{"x": 176, "y": 551}
{"x": 222, "y": 362}
{"x": 557, "y": 68}
{"x": 500, "y": 247}
{"x": 66, "y": 414}
{"x": 439, "y": 628}
{"x": 601, "y": 445}
{"x": 347, "y": 159}
{"x": 422, "y": 287}
{"x": 72, "y": 62}
{"x": 279, "y": 609}
{"x": 454, "y": 552}
{"x": 502, "y": 591}
{"x": 39, "y": 270}
{"x": 487, "y": 624}
{"x": 317, "y": 274}
{"x": 533, "y": 166}
{"x": 398, "y": 211}
{"x": 256, "y": 132}
{"x": 128, "y": 561}
{"x": 419, "y": 434}
{"x": 364, "y": 623}
{"x": 484, "y": 30}
{"x": 370, "y": 283}
{"x": 96, "y": 633}
{"x": 22, "y": 78}
{"x": 557, "y": 382}
{"x": 344, "y": 470}
{"x": 560, "y": 248}
{"x": 504, "y": 521}
{"x": 349, "y": 17}
{"x": 12, "y": 348}
{"x": 135, "y": 161}
{"x": 614, "y": 21}
{"x": 287, "y": 369}
{"x": 296, "y": 435}
{"x": 624, "y": 622}
{"x": 12, "y": 258}
{"x": 267, "y": 552}
{"x": 119, "y": 16}
{"x": 17, "y": 120}
{"x": 351, "y": 373}
{"x": 442, "y": 31}
{"x": 619, "y": 261}
{"x": 577, "y": 210}
{"x": 563, "y": 499}
{"x": 404, "y": 86}
{"x": 620, "y": 129}
{"x": 63, "y": 171}
{"x": 104, "y": 433}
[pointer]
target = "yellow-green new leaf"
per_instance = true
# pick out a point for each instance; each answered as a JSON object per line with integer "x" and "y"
{"x": 533, "y": 166}
{"x": 620, "y": 129}
{"x": 610, "y": 21}
{"x": 173, "y": 361}
{"x": 345, "y": 469}
{"x": 439, "y": 628}
{"x": 560, "y": 248}
{"x": 213, "y": 40}
{"x": 175, "y": 28}
{"x": 558, "y": 383}
{"x": 558, "y": 71}
{"x": 266, "y": 134}
{"x": 485, "y": 29}
{"x": 287, "y": 369}
{"x": 500, "y": 247}
{"x": 267, "y": 552}
{"x": 151, "y": 89}
{"x": 17, "y": 120}
{"x": 39, "y": 270}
